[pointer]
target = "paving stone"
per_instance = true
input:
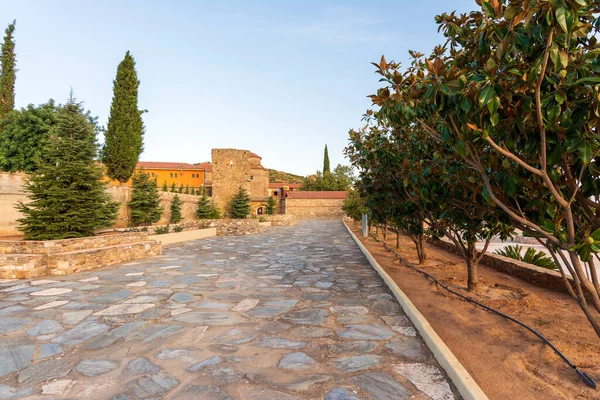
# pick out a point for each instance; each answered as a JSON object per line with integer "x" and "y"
{"x": 96, "y": 367}
{"x": 52, "y": 292}
{"x": 349, "y": 310}
{"x": 122, "y": 309}
{"x": 45, "y": 371}
{"x": 311, "y": 332}
{"x": 386, "y": 307}
{"x": 211, "y": 318}
{"x": 235, "y": 336}
{"x": 357, "y": 346}
{"x": 58, "y": 388}
{"x": 14, "y": 357}
{"x": 153, "y": 332}
{"x": 357, "y": 363}
{"x": 110, "y": 298}
{"x": 365, "y": 332}
{"x": 280, "y": 343}
{"x": 258, "y": 393}
{"x": 304, "y": 383}
{"x": 245, "y": 305}
{"x": 213, "y": 305}
{"x": 140, "y": 366}
{"x": 112, "y": 336}
{"x": 408, "y": 347}
{"x": 381, "y": 386}
{"x": 307, "y": 317}
{"x": 45, "y": 327}
{"x": 270, "y": 309}
{"x": 194, "y": 392}
{"x": 182, "y": 297}
{"x": 82, "y": 332}
{"x": 152, "y": 386}
{"x": 8, "y": 325}
{"x": 296, "y": 361}
{"x": 427, "y": 378}
{"x": 75, "y": 317}
{"x": 8, "y": 392}
{"x": 209, "y": 362}
{"x": 49, "y": 350}
{"x": 340, "y": 393}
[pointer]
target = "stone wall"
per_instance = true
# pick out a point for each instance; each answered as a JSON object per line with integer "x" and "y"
{"x": 539, "y": 276}
{"x": 314, "y": 208}
{"x": 188, "y": 208}
{"x": 224, "y": 227}
{"x": 282, "y": 220}
{"x": 11, "y": 192}
{"x": 30, "y": 259}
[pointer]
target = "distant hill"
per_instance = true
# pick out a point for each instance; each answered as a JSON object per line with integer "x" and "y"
{"x": 284, "y": 177}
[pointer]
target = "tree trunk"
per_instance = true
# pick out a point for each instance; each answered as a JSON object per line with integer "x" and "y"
{"x": 472, "y": 278}
{"x": 420, "y": 245}
{"x": 385, "y": 230}
{"x": 397, "y": 238}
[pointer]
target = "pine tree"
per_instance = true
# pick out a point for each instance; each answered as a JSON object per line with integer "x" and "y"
{"x": 67, "y": 196}
{"x": 165, "y": 188}
{"x": 270, "y": 208}
{"x": 239, "y": 206}
{"x": 181, "y": 188}
{"x": 145, "y": 200}
{"x": 187, "y": 189}
{"x": 176, "y": 210}
{"x": 173, "y": 189}
{"x": 7, "y": 73}
{"x": 123, "y": 142}
{"x": 206, "y": 208}
{"x": 326, "y": 168}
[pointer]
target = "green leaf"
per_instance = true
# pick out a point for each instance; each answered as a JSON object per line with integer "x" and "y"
{"x": 489, "y": 10}
{"x": 461, "y": 148}
{"x": 585, "y": 152}
{"x": 562, "y": 18}
{"x": 486, "y": 94}
{"x": 494, "y": 118}
{"x": 589, "y": 79}
{"x": 596, "y": 235}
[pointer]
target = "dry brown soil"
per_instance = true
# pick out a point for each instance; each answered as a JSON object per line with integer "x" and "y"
{"x": 507, "y": 361}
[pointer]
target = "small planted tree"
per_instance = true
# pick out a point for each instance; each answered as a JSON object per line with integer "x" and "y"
{"x": 206, "y": 208}
{"x": 187, "y": 189}
{"x": 176, "y": 216}
{"x": 173, "y": 188}
{"x": 145, "y": 201}
{"x": 66, "y": 193}
{"x": 239, "y": 206}
{"x": 180, "y": 188}
{"x": 270, "y": 207}
{"x": 165, "y": 188}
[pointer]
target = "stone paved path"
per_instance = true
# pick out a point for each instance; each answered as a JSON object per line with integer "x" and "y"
{"x": 296, "y": 313}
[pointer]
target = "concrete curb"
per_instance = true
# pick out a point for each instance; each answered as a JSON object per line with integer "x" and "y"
{"x": 466, "y": 385}
{"x": 184, "y": 236}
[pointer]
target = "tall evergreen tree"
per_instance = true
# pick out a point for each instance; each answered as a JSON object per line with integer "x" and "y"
{"x": 145, "y": 200}
{"x": 239, "y": 206}
{"x": 123, "y": 141}
{"x": 66, "y": 192}
{"x": 206, "y": 209}
{"x": 271, "y": 204}
{"x": 7, "y": 73}
{"x": 326, "y": 167}
{"x": 176, "y": 210}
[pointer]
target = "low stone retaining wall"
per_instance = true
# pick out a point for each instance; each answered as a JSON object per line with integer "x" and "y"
{"x": 30, "y": 259}
{"x": 282, "y": 220}
{"x": 538, "y": 276}
{"x": 224, "y": 227}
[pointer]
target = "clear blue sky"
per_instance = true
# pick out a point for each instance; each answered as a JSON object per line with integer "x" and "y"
{"x": 279, "y": 78}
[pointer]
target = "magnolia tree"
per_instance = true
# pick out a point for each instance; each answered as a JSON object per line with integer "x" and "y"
{"x": 515, "y": 92}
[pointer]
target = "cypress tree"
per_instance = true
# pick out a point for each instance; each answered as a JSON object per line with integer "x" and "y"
{"x": 326, "y": 167}
{"x": 239, "y": 206}
{"x": 7, "y": 73}
{"x": 176, "y": 210}
{"x": 123, "y": 141}
{"x": 145, "y": 200}
{"x": 66, "y": 192}
{"x": 270, "y": 208}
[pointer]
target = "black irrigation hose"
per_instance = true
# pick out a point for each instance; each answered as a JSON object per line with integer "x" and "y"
{"x": 586, "y": 378}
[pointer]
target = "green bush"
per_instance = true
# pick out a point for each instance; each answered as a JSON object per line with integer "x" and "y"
{"x": 177, "y": 228}
{"x": 270, "y": 207}
{"x": 532, "y": 256}
{"x": 161, "y": 230}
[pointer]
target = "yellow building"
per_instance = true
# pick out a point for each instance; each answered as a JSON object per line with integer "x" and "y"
{"x": 188, "y": 175}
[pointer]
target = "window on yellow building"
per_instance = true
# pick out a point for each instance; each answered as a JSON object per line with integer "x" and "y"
{"x": 171, "y": 175}
{"x": 175, "y": 175}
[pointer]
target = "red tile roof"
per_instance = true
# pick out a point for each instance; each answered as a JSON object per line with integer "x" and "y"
{"x": 207, "y": 166}
{"x": 277, "y": 185}
{"x": 316, "y": 195}
{"x": 166, "y": 165}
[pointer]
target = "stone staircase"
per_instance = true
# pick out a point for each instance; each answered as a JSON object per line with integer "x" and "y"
{"x": 30, "y": 259}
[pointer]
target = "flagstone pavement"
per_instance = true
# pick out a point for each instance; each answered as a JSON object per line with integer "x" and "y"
{"x": 294, "y": 313}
